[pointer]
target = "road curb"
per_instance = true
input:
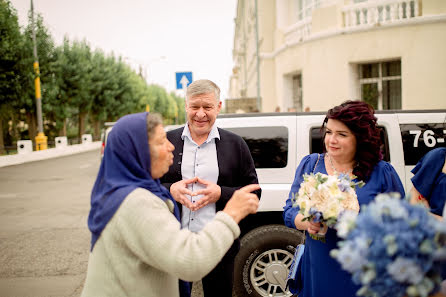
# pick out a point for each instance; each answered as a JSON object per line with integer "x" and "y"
{"x": 48, "y": 154}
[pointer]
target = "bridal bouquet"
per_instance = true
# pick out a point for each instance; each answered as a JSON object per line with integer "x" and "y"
{"x": 392, "y": 248}
{"x": 322, "y": 198}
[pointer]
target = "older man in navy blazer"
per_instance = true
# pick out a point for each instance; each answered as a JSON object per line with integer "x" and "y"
{"x": 209, "y": 165}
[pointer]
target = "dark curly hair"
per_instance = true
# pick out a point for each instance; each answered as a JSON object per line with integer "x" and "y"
{"x": 360, "y": 118}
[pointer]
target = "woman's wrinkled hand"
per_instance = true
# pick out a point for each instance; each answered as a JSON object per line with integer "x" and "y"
{"x": 242, "y": 203}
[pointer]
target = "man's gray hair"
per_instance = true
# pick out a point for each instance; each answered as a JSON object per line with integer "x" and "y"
{"x": 203, "y": 86}
{"x": 153, "y": 120}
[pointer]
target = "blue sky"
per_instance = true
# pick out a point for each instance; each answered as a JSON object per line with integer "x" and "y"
{"x": 163, "y": 36}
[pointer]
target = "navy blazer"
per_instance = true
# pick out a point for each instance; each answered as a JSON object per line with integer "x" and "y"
{"x": 235, "y": 164}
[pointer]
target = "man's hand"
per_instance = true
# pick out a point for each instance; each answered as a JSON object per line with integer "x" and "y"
{"x": 211, "y": 193}
{"x": 179, "y": 191}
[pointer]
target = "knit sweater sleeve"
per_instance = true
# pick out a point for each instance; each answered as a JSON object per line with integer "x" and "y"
{"x": 147, "y": 227}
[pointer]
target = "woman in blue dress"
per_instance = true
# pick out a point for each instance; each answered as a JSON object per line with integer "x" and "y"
{"x": 352, "y": 146}
{"x": 429, "y": 181}
{"x": 429, "y": 186}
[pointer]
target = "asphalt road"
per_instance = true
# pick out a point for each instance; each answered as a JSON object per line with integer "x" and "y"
{"x": 44, "y": 239}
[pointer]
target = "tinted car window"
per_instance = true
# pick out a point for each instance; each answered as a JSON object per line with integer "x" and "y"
{"x": 268, "y": 145}
{"x": 418, "y": 139}
{"x": 317, "y": 143}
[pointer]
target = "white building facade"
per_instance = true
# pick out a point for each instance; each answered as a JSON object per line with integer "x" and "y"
{"x": 314, "y": 54}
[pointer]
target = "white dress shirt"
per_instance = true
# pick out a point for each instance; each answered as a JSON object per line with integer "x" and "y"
{"x": 199, "y": 160}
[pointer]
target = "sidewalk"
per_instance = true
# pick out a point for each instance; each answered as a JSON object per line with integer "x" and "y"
{"x": 48, "y": 153}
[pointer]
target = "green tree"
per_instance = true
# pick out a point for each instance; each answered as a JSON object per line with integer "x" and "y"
{"x": 145, "y": 100}
{"x": 10, "y": 49}
{"x": 74, "y": 80}
{"x": 82, "y": 101}
{"x": 46, "y": 57}
{"x": 163, "y": 103}
{"x": 101, "y": 86}
{"x": 122, "y": 98}
{"x": 57, "y": 107}
{"x": 79, "y": 87}
{"x": 181, "y": 112}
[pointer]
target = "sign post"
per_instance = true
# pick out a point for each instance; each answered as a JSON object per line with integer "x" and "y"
{"x": 184, "y": 83}
{"x": 183, "y": 80}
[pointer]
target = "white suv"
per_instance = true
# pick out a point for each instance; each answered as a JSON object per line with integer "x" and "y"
{"x": 278, "y": 141}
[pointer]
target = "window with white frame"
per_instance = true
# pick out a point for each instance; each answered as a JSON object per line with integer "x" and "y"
{"x": 381, "y": 84}
{"x": 305, "y": 7}
{"x": 297, "y": 92}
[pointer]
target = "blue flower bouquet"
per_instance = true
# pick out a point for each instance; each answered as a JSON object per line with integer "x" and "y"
{"x": 392, "y": 248}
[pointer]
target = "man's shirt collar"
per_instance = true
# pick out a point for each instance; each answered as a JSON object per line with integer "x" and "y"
{"x": 213, "y": 134}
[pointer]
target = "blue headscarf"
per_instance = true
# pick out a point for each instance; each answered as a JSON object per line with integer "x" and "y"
{"x": 124, "y": 167}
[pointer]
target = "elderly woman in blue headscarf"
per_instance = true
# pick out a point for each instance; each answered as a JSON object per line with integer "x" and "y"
{"x": 138, "y": 247}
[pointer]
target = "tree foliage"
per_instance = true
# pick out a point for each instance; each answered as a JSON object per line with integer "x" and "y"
{"x": 45, "y": 51}
{"x": 10, "y": 49}
{"x": 81, "y": 88}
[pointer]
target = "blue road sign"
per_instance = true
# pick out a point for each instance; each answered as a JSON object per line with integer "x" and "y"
{"x": 183, "y": 79}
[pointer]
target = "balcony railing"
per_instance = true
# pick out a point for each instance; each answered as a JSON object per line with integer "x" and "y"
{"x": 299, "y": 31}
{"x": 359, "y": 15}
{"x": 384, "y": 12}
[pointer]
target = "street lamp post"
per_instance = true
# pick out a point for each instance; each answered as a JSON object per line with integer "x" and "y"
{"x": 148, "y": 66}
{"x": 41, "y": 139}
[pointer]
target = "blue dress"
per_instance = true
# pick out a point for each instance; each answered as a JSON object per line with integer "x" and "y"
{"x": 322, "y": 275}
{"x": 430, "y": 181}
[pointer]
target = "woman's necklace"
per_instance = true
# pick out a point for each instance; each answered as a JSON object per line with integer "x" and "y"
{"x": 334, "y": 168}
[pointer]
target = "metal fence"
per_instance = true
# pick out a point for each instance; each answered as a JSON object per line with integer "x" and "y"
{"x": 12, "y": 149}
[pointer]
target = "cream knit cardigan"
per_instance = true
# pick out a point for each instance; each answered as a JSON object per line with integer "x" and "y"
{"x": 142, "y": 251}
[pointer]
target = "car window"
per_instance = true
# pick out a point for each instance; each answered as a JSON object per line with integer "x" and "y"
{"x": 268, "y": 145}
{"x": 316, "y": 142}
{"x": 418, "y": 139}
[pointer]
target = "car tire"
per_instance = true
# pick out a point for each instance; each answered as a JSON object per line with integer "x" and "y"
{"x": 264, "y": 259}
